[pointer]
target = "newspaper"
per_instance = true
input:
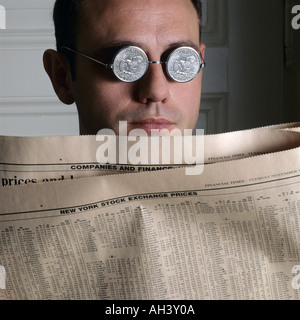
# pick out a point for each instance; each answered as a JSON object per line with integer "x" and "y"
{"x": 26, "y": 160}
{"x": 232, "y": 232}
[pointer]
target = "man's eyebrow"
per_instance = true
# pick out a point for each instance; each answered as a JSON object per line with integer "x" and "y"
{"x": 113, "y": 47}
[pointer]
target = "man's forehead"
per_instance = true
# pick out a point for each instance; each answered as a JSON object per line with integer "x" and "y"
{"x": 96, "y": 8}
{"x": 105, "y": 4}
{"x": 114, "y": 17}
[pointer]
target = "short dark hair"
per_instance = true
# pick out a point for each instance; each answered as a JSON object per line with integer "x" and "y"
{"x": 66, "y": 24}
{"x": 65, "y": 17}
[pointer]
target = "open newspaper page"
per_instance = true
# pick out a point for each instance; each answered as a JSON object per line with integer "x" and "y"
{"x": 232, "y": 232}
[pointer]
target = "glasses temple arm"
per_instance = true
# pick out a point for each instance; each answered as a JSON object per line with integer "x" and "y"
{"x": 90, "y": 58}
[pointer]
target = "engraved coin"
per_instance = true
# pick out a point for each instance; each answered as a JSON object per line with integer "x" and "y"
{"x": 183, "y": 64}
{"x": 130, "y": 64}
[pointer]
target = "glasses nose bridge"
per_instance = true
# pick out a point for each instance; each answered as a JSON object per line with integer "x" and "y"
{"x": 157, "y": 63}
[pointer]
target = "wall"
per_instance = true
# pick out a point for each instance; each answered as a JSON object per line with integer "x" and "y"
{"x": 28, "y": 104}
{"x": 256, "y": 63}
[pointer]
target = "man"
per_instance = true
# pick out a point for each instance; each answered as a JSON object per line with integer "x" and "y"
{"x": 102, "y": 29}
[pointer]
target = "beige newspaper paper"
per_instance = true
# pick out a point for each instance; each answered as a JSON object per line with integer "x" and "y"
{"x": 26, "y": 160}
{"x": 232, "y": 232}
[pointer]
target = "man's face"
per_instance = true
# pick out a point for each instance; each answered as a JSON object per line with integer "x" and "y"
{"x": 154, "y": 101}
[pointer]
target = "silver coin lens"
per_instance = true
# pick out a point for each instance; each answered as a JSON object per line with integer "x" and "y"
{"x": 183, "y": 64}
{"x": 130, "y": 64}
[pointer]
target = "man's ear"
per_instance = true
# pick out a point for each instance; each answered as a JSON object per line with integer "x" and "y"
{"x": 57, "y": 67}
{"x": 202, "y": 50}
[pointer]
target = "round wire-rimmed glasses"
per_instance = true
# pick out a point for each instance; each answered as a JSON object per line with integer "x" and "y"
{"x": 131, "y": 63}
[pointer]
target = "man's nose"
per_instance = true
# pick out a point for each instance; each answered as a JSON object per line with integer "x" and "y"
{"x": 154, "y": 86}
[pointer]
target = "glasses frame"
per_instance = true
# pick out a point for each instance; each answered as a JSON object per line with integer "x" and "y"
{"x": 111, "y": 66}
